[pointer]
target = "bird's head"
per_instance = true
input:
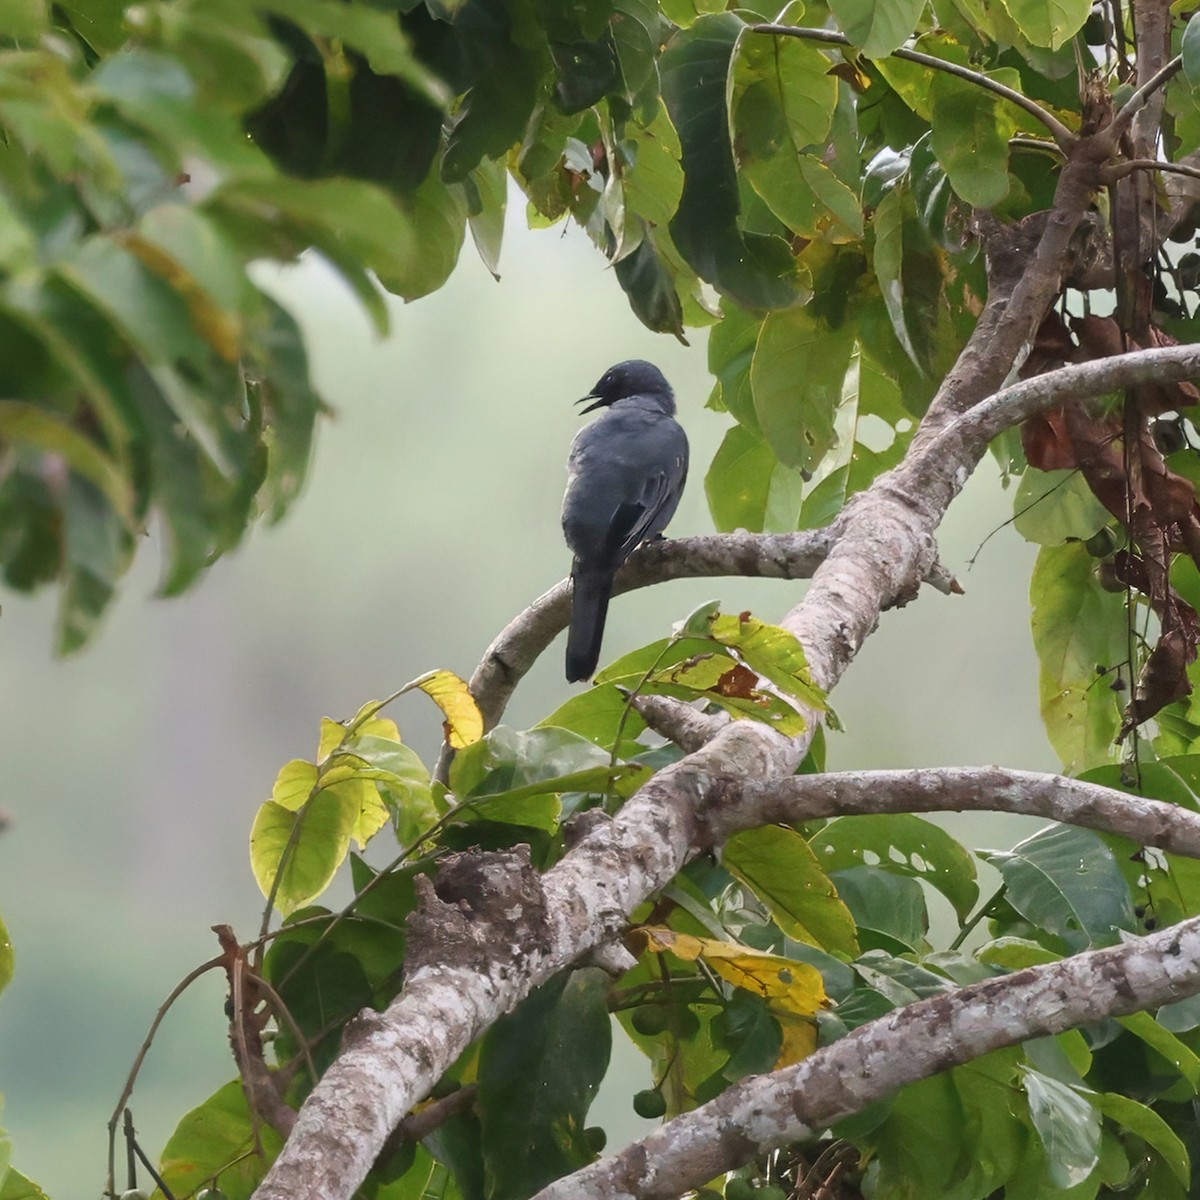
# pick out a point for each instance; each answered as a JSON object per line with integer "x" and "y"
{"x": 633, "y": 378}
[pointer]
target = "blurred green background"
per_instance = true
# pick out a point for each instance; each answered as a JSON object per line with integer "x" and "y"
{"x": 133, "y": 770}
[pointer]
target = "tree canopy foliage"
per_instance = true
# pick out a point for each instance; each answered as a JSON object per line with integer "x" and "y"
{"x": 882, "y": 211}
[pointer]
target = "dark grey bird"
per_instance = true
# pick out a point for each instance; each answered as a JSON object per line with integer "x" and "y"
{"x": 625, "y": 475}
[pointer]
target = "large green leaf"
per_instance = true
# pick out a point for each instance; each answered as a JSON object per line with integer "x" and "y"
{"x": 749, "y": 488}
{"x": 217, "y": 1140}
{"x": 302, "y": 849}
{"x": 1066, "y": 881}
{"x": 889, "y": 910}
{"x": 970, "y": 138}
{"x": 797, "y": 376}
{"x": 17, "y": 1187}
{"x": 1053, "y": 507}
{"x": 1078, "y": 630}
{"x": 539, "y": 1071}
{"x": 1167, "y": 1045}
{"x": 877, "y": 27}
{"x": 514, "y": 764}
{"x": 904, "y": 844}
{"x": 782, "y": 93}
{"x": 778, "y": 866}
{"x": 1049, "y": 22}
{"x": 757, "y": 270}
{"x": 1148, "y": 1125}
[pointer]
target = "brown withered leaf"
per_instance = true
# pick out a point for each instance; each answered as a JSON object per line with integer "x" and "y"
{"x": 1052, "y": 347}
{"x": 1047, "y": 443}
{"x": 738, "y": 682}
{"x": 1163, "y": 678}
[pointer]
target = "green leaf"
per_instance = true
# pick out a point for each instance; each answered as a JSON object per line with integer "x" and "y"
{"x": 1053, "y": 507}
{"x": 17, "y": 1187}
{"x": 156, "y": 93}
{"x": 1190, "y": 49}
{"x": 1068, "y": 1124}
{"x": 970, "y": 133}
{"x": 374, "y": 33}
{"x": 918, "y": 1146}
{"x": 97, "y": 550}
{"x": 24, "y": 20}
{"x": 504, "y": 87}
{"x": 31, "y": 425}
{"x": 904, "y": 844}
{"x": 731, "y": 345}
{"x": 303, "y": 848}
{"x": 597, "y": 714}
{"x": 807, "y": 196}
{"x": 649, "y": 282}
{"x": 1077, "y": 627}
{"x": 1049, "y": 22}
{"x": 877, "y": 27}
{"x": 539, "y": 1071}
{"x": 1066, "y": 881}
{"x": 147, "y": 311}
{"x": 778, "y": 866}
{"x": 218, "y": 1138}
{"x": 770, "y": 651}
{"x": 6, "y": 957}
{"x": 1143, "y": 1026}
{"x": 781, "y": 86}
{"x": 653, "y": 178}
{"x": 889, "y": 910}
{"x": 797, "y": 376}
{"x": 325, "y": 974}
{"x": 515, "y": 763}
{"x": 487, "y": 189}
{"x": 749, "y": 488}
{"x": 758, "y": 271}
{"x": 1146, "y": 1124}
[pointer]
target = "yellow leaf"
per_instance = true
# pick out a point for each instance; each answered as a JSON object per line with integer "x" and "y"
{"x": 363, "y": 796}
{"x": 333, "y": 733}
{"x": 380, "y": 727}
{"x": 796, "y": 987}
{"x": 799, "y": 1037}
{"x": 780, "y": 868}
{"x": 294, "y": 784}
{"x": 464, "y": 721}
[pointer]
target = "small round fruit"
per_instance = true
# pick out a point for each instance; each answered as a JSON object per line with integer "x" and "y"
{"x": 1103, "y": 542}
{"x": 738, "y": 1188}
{"x": 650, "y": 1019}
{"x": 649, "y": 1103}
{"x": 596, "y": 1138}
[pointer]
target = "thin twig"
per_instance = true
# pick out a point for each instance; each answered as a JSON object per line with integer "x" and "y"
{"x": 1130, "y": 108}
{"x": 127, "y": 1091}
{"x": 1121, "y": 169}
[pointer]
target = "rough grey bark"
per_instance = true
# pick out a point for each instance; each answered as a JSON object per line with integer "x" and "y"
{"x": 877, "y": 1059}
{"x": 884, "y": 544}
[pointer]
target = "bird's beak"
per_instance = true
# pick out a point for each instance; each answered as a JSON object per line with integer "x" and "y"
{"x": 590, "y": 396}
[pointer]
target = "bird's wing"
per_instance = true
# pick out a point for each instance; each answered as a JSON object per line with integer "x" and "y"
{"x": 633, "y": 521}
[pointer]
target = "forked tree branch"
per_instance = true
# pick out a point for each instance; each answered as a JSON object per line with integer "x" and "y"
{"x": 884, "y": 546}
{"x": 877, "y": 1059}
{"x": 798, "y": 555}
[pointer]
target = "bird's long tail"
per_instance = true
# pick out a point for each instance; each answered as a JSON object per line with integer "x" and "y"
{"x": 592, "y": 587}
